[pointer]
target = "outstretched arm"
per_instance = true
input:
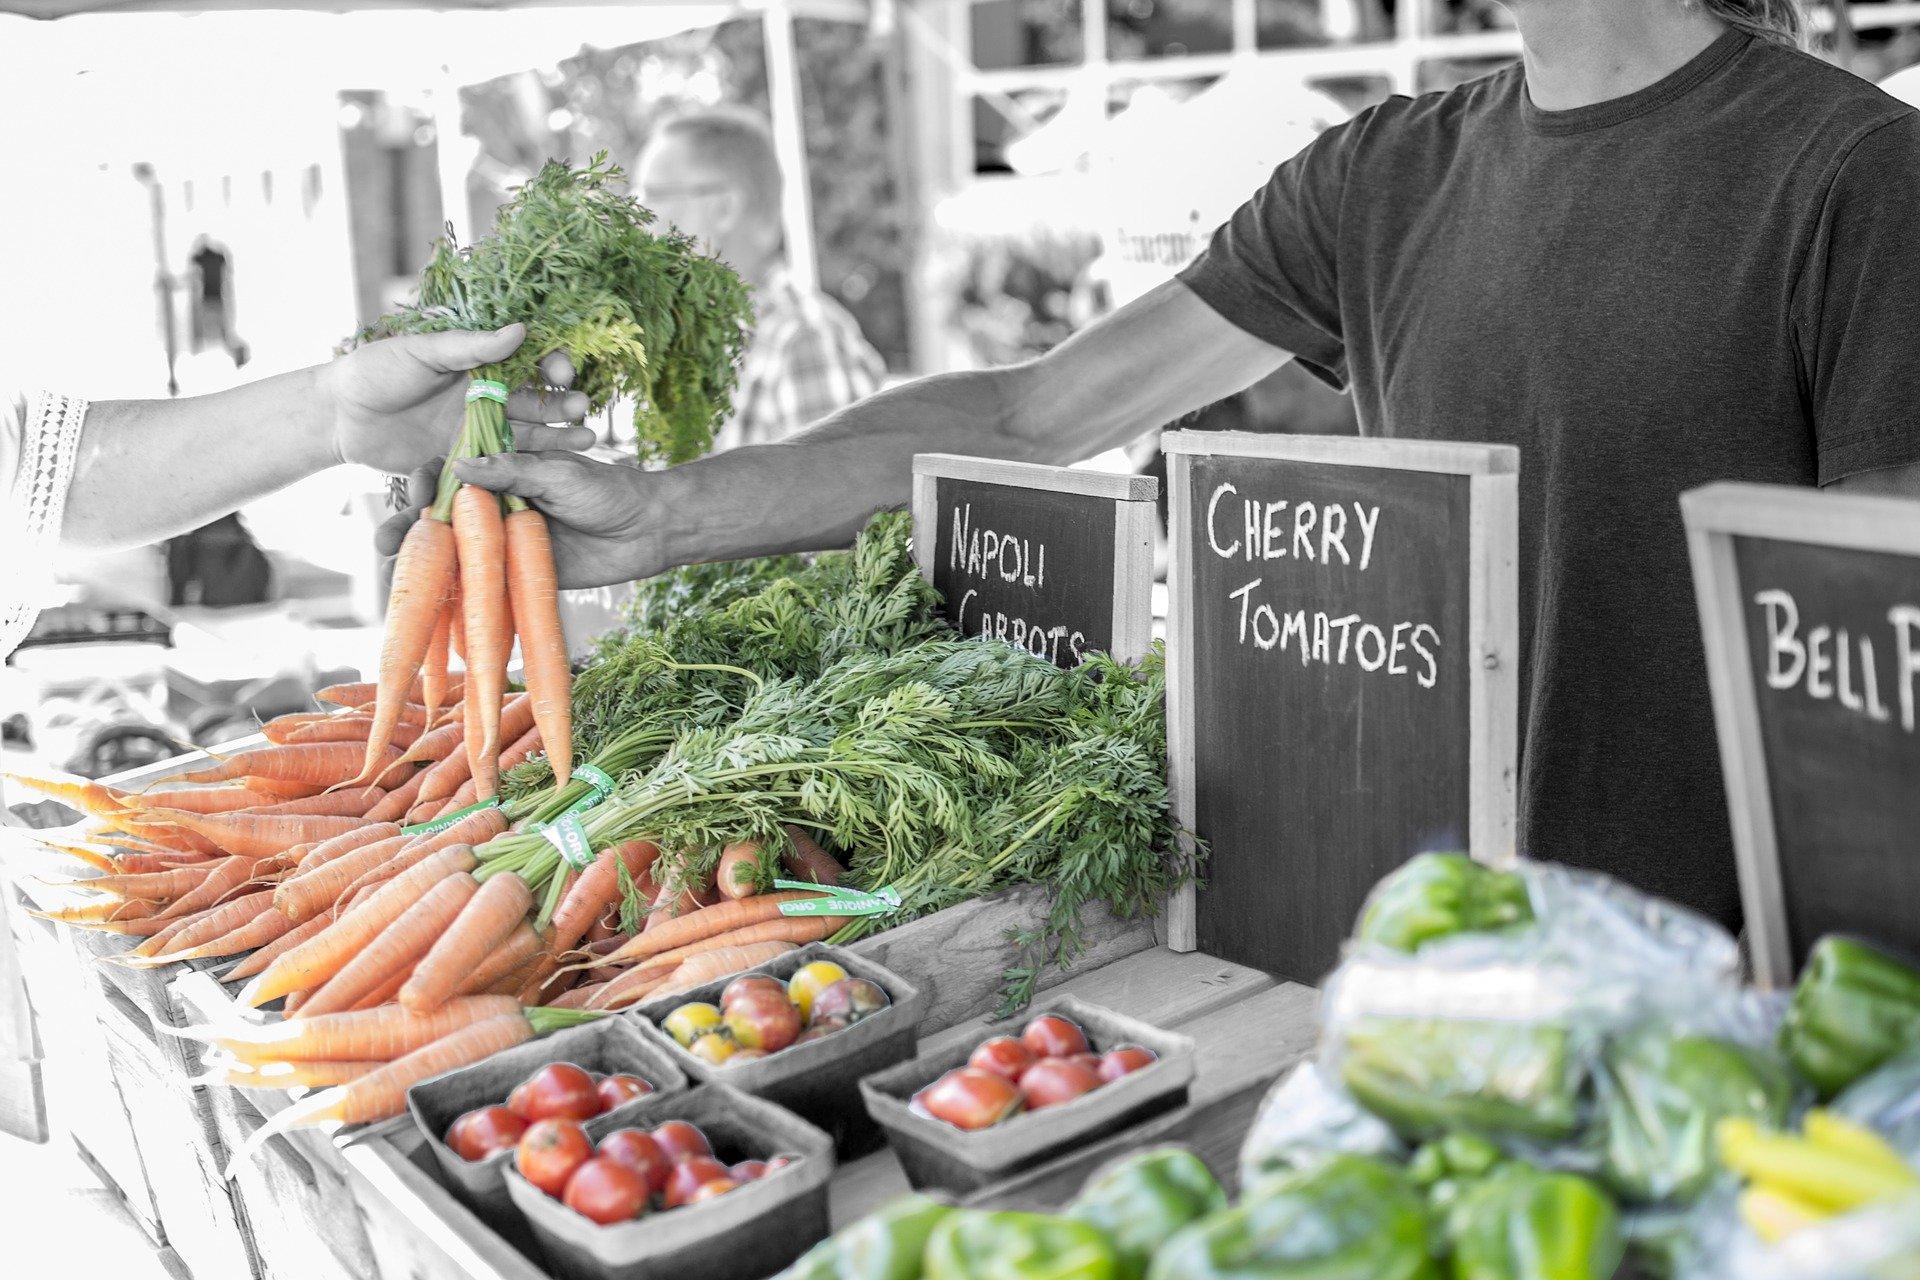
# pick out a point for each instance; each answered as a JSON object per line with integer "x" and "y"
{"x": 149, "y": 469}
{"x": 1155, "y": 360}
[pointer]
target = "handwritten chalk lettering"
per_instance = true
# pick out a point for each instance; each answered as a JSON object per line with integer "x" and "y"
{"x": 1280, "y": 529}
{"x": 1042, "y": 641}
{"x": 1330, "y": 641}
{"x": 988, "y": 553}
{"x": 1833, "y": 664}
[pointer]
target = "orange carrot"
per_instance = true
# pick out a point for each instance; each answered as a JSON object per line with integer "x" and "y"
{"x": 397, "y": 801}
{"x": 362, "y": 695}
{"x": 267, "y": 926}
{"x": 284, "y": 788}
{"x": 667, "y": 906}
{"x": 464, "y": 944}
{"x": 224, "y": 798}
{"x": 316, "y": 764}
{"x": 422, "y": 576}
{"x": 161, "y": 886}
{"x": 805, "y": 858}
{"x": 88, "y": 797}
{"x": 386, "y": 991}
{"x": 323, "y": 955}
{"x": 349, "y": 802}
{"x": 476, "y": 828}
{"x": 481, "y": 540}
{"x": 226, "y": 875}
{"x": 286, "y": 1075}
{"x": 432, "y": 747}
{"x": 410, "y": 935}
{"x": 339, "y": 846}
{"x": 378, "y": 1035}
{"x": 259, "y": 836}
{"x": 209, "y": 925}
{"x": 520, "y": 947}
{"x": 533, "y": 590}
{"x": 271, "y": 951}
{"x": 312, "y": 891}
{"x": 709, "y": 965}
{"x": 163, "y": 833}
{"x": 433, "y": 674}
{"x": 108, "y": 909}
{"x": 706, "y": 922}
{"x": 738, "y": 875}
{"x": 350, "y": 728}
{"x": 444, "y": 778}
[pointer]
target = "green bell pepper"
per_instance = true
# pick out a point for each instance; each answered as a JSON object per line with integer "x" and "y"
{"x": 973, "y": 1245}
{"x": 1347, "y": 1218}
{"x": 888, "y": 1244}
{"x": 1854, "y": 1008}
{"x": 1660, "y": 1097}
{"x": 1522, "y": 1223}
{"x": 1139, "y": 1202}
{"x": 1429, "y": 1076}
{"x": 1437, "y": 895}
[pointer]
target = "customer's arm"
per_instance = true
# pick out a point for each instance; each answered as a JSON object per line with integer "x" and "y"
{"x": 149, "y": 469}
{"x": 1159, "y": 358}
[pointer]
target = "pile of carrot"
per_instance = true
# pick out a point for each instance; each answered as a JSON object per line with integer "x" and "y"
{"x": 357, "y": 901}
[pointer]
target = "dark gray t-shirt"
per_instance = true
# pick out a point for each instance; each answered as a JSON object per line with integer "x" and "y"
{"x": 1714, "y": 278}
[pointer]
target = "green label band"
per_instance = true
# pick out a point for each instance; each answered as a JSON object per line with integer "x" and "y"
{"x": 487, "y": 389}
{"x": 567, "y": 835}
{"x": 446, "y": 820}
{"x": 838, "y": 902}
{"x": 600, "y": 786}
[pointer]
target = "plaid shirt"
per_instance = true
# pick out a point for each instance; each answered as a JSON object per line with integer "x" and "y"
{"x": 806, "y": 359}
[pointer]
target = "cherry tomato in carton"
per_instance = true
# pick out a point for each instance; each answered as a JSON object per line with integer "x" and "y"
{"x": 752, "y": 984}
{"x": 1052, "y": 1081}
{"x": 809, "y": 980}
{"x": 1089, "y": 1060}
{"x": 821, "y": 1028}
{"x": 690, "y": 1021}
{"x": 1004, "y": 1056}
{"x": 557, "y": 1091}
{"x": 850, "y": 999}
{"x": 749, "y": 1171}
{"x": 714, "y": 1048}
{"x": 708, "y": 1190}
{"x": 778, "y": 1162}
{"x": 763, "y": 1023}
{"x": 1052, "y": 1036}
{"x": 637, "y": 1148}
{"x": 621, "y": 1088}
{"x": 478, "y": 1134}
{"x": 682, "y": 1141}
{"x": 1125, "y": 1060}
{"x": 689, "y": 1176}
{"x": 969, "y": 1098}
{"x": 605, "y": 1190}
{"x": 550, "y": 1151}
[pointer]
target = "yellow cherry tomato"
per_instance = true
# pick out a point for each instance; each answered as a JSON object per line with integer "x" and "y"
{"x": 691, "y": 1021}
{"x": 809, "y": 980}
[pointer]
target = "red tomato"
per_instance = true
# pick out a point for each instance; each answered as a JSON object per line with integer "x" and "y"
{"x": 1052, "y": 1081}
{"x": 778, "y": 1163}
{"x": 550, "y": 1151}
{"x": 708, "y": 1190}
{"x": 637, "y": 1148}
{"x": 1125, "y": 1060}
{"x": 616, "y": 1089}
{"x": 1052, "y": 1036}
{"x": 1089, "y": 1060}
{"x": 969, "y": 1098}
{"x": 605, "y": 1190}
{"x": 1004, "y": 1056}
{"x": 753, "y": 983}
{"x": 749, "y": 1171}
{"x": 763, "y": 1022}
{"x": 689, "y": 1176}
{"x": 682, "y": 1141}
{"x": 557, "y": 1091}
{"x": 478, "y": 1134}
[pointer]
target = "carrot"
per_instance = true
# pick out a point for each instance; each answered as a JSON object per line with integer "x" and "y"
{"x": 597, "y": 886}
{"x": 259, "y": 836}
{"x": 286, "y": 1075}
{"x": 108, "y": 909}
{"x": 481, "y": 539}
{"x": 312, "y": 891}
{"x": 520, "y": 946}
{"x": 377, "y": 1036}
{"x": 706, "y": 922}
{"x": 271, "y": 951}
{"x": 402, "y": 942}
{"x": 709, "y": 965}
{"x": 476, "y": 828}
{"x": 91, "y": 857}
{"x": 444, "y": 778}
{"x": 141, "y": 855}
{"x": 432, "y": 747}
{"x": 798, "y": 930}
{"x": 579, "y": 997}
{"x": 224, "y": 798}
{"x": 160, "y": 833}
{"x": 666, "y": 906}
{"x": 324, "y": 954}
{"x": 162, "y": 886}
{"x": 350, "y": 728}
{"x": 93, "y": 798}
{"x": 534, "y": 593}
{"x": 805, "y": 858}
{"x": 291, "y": 1005}
{"x": 465, "y": 943}
{"x": 315, "y": 764}
{"x": 422, "y": 575}
{"x": 208, "y": 925}
{"x": 267, "y": 926}
{"x": 387, "y": 990}
{"x": 433, "y": 674}
{"x": 226, "y": 875}
{"x": 397, "y": 801}
{"x": 350, "y": 802}
{"x": 738, "y": 875}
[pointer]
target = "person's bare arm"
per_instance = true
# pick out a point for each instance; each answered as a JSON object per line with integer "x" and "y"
{"x": 1887, "y": 482}
{"x": 150, "y": 469}
{"x": 1153, "y": 361}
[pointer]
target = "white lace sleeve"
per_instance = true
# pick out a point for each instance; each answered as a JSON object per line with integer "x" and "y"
{"x": 36, "y": 462}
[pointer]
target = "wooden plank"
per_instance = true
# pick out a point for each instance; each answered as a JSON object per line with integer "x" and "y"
{"x": 417, "y": 1230}
{"x": 1182, "y": 919}
{"x": 1118, "y": 485}
{"x": 1450, "y": 457}
{"x": 1795, "y": 514}
{"x": 302, "y": 1220}
{"x": 1493, "y": 635}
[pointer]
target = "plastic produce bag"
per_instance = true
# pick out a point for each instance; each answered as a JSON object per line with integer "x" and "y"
{"x": 1304, "y": 1119}
{"x": 1881, "y": 1243}
{"x": 1497, "y": 1032}
{"x": 1140, "y": 1201}
{"x": 1887, "y": 1101}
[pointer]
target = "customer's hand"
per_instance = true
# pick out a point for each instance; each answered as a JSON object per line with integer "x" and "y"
{"x": 399, "y": 401}
{"x": 596, "y": 511}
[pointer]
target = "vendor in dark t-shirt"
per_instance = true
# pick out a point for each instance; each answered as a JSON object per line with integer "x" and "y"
{"x": 1665, "y": 249}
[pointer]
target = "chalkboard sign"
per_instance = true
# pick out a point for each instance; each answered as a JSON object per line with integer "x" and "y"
{"x": 1341, "y": 676}
{"x": 1053, "y": 559}
{"x": 1810, "y": 609}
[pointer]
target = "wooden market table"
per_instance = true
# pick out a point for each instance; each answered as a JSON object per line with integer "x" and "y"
{"x": 316, "y": 1205}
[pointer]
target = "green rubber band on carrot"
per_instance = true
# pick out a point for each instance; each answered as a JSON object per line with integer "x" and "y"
{"x": 838, "y": 901}
{"x": 486, "y": 389}
{"x": 566, "y": 834}
{"x": 446, "y": 820}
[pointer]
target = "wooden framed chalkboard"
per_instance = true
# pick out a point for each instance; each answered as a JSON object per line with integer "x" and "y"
{"x": 1342, "y": 666}
{"x": 1053, "y": 559}
{"x": 1810, "y": 609}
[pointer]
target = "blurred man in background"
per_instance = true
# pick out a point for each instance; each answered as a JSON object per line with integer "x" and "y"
{"x": 715, "y": 175}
